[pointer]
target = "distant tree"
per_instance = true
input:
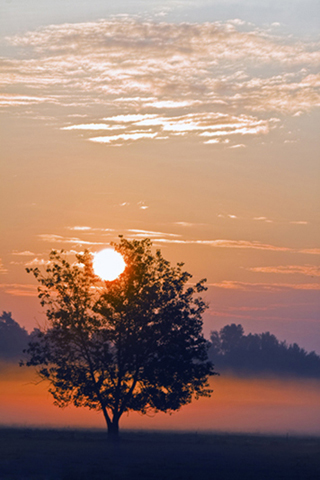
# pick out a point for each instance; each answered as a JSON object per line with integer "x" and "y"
{"x": 231, "y": 350}
{"x": 134, "y": 343}
{"x": 230, "y": 337}
{"x": 13, "y": 338}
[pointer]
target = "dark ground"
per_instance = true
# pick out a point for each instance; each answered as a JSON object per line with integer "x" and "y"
{"x": 27, "y": 454}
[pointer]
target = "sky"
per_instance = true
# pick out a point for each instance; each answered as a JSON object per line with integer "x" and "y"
{"x": 192, "y": 123}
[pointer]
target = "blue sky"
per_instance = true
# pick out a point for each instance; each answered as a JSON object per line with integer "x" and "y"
{"x": 295, "y": 16}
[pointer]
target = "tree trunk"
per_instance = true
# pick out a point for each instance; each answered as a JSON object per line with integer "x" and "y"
{"x": 113, "y": 428}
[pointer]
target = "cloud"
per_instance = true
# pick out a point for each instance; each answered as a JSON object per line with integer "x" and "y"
{"x": 93, "y": 126}
{"x": 263, "y": 219}
{"x": 25, "y": 253}
{"x": 85, "y": 228}
{"x": 300, "y": 223}
{"x": 2, "y": 269}
{"x": 214, "y": 40}
{"x": 163, "y": 80}
{"x": 171, "y": 238}
{"x": 53, "y": 238}
{"x": 82, "y": 229}
{"x": 14, "y": 100}
{"x": 237, "y": 21}
{"x": 37, "y": 262}
{"x": 185, "y": 224}
{"x": 20, "y": 290}
{"x": 235, "y": 285}
{"x": 269, "y": 311}
{"x": 142, "y": 205}
{"x": 308, "y": 270}
{"x": 243, "y": 244}
{"x": 150, "y": 233}
{"x": 123, "y": 137}
{"x": 147, "y": 126}
{"x": 310, "y": 251}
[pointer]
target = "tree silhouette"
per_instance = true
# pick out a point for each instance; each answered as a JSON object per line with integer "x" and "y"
{"x": 260, "y": 353}
{"x": 13, "y": 338}
{"x": 134, "y": 343}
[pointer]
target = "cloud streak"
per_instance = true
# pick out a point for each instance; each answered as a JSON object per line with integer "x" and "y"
{"x": 170, "y": 238}
{"x": 2, "y": 269}
{"x": 161, "y": 127}
{"x": 272, "y": 287}
{"x": 242, "y": 244}
{"x": 308, "y": 270}
{"x": 53, "y": 238}
{"x": 20, "y": 290}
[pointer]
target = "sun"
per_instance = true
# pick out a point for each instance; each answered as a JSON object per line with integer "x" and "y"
{"x": 108, "y": 264}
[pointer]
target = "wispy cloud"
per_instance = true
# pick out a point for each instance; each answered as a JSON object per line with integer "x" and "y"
{"x": 14, "y": 100}
{"x": 310, "y": 251}
{"x": 164, "y": 80}
{"x": 150, "y": 233}
{"x": 139, "y": 126}
{"x": 234, "y": 285}
{"x": 37, "y": 262}
{"x": 2, "y": 269}
{"x": 124, "y": 137}
{"x": 25, "y": 253}
{"x": 53, "y": 238}
{"x": 308, "y": 270}
{"x": 243, "y": 244}
{"x": 84, "y": 228}
{"x": 263, "y": 219}
{"x": 171, "y": 238}
{"x": 268, "y": 311}
{"x": 186, "y": 224}
{"x": 142, "y": 205}
{"x": 300, "y": 223}
{"x": 19, "y": 290}
{"x": 93, "y": 126}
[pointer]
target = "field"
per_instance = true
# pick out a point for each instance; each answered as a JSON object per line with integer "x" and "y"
{"x": 40, "y": 454}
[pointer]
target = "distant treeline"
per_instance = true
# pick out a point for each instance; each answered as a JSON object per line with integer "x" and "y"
{"x": 13, "y": 338}
{"x": 253, "y": 354}
{"x": 230, "y": 350}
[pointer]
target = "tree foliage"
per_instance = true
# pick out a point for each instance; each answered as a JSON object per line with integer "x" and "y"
{"x": 13, "y": 338}
{"x": 134, "y": 343}
{"x": 260, "y": 353}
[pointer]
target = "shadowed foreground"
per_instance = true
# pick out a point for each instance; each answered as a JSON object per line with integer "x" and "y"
{"x": 84, "y": 454}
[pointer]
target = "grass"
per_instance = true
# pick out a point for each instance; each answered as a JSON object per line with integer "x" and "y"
{"x": 39, "y": 454}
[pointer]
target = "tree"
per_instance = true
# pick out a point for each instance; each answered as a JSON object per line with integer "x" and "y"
{"x": 231, "y": 336}
{"x": 257, "y": 354}
{"x": 134, "y": 343}
{"x": 13, "y": 338}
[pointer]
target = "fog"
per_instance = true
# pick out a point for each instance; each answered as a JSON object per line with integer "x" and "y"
{"x": 258, "y": 405}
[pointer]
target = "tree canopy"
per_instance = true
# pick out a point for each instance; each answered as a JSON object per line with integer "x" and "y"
{"x": 134, "y": 343}
{"x": 13, "y": 338}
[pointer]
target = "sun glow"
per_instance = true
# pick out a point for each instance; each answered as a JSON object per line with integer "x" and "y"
{"x": 108, "y": 264}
